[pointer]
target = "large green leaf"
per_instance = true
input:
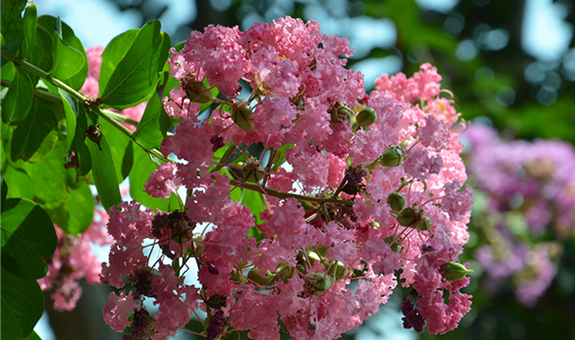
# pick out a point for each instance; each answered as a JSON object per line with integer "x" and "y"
{"x": 30, "y": 20}
{"x": 28, "y": 238}
{"x": 22, "y": 305}
{"x": 71, "y": 109}
{"x": 141, "y": 171}
{"x": 121, "y": 147}
{"x": 41, "y": 56}
{"x": 35, "y": 137}
{"x": 33, "y": 336}
{"x": 135, "y": 77}
{"x": 113, "y": 54}
{"x": 104, "y": 172}
{"x": 11, "y": 25}
{"x": 69, "y": 38}
{"x": 79, "y": 144}
{"x": 18, "y": 100}
{"x": 8, "y": 72}
{"x": 67, "y": 60}
{"x": 74, "y": 215}
{"x": 153, "y": 125}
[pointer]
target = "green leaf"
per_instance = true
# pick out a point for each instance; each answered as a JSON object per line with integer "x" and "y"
{"x": 71, "y": 109}
{"x": 113, "y": 54}
{"x": 255, "y": 201}
{"x": 11, "y": 25}
{"x": 22, "y": 305}
{"x": 67, "y": 60}
{"x": 4, "y": 192}
{"x": 76, "y": 214}
{"x": 30, "y": 19}
{"x": 18, "y": 101}
{"x": 35, "y": 137}
{"x": 120, "y": 145}
{"x": 153, "y": 125}
{"x": 70, "y": 39}
{"x": 33, "y": 336}
{"x": 8, "y": 72}
{"x": 104, "y": 173}
{"x": 141, "y": 171}
{"x": 28, "y": 238}
{"x": 46, "y": 182}
{"x": 79, "y": 144}
{"x": 135, "y": 77}
{"x": 41, "y": 56}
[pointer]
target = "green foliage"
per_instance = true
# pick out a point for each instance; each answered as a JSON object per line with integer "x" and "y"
{"x": 104, "y": 172}
{"x": 153, "y": 125}
{"x": 137, "y": 73}
{"x": 18, "y": 101}
{"x": 28, "y": 238}
{"x": 22, "y": 305}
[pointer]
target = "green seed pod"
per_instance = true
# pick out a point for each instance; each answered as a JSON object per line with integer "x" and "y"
{"x": 198, "y": 92}
{"x": 254, "y": 275}
{"x": 392, "y": 157}
{"x": 396, "y": 201}
{"x": 425, "y": 223}
{"x": 216, "y": 301}
{"x": 337, "y": 270}
{"x": 454, "y": 271}
{"x": 242, "y": 117}
{"x": 407, "y": 217}
{"x": 366, "y": 117}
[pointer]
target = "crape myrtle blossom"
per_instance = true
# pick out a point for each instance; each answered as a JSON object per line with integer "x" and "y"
{"x": 74, "y": 260}
{"x": 530, "y": 191}
{"x": 372, "y": 196}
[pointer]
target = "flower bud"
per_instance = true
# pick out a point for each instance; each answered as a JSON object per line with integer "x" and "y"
{"x": 313, "y": 256}
{"x": 242, "y": 117}
{"x": 322, "y": 283}
{"x": 392, "y": 157}
{"x": 396, "y": 201}
{"x": 366, "y": 117}
{"x": 425, "y": 223}
{"x": 337, "y": 270}
{"x": 454, "y": 271}
{"x": 407, "y": 217}
{"x": 198, "y": 92}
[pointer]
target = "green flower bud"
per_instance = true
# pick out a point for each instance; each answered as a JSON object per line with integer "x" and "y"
{"x": 216, "y": 301}
{"x": 198, "y": 92}
{"x": 322, "y": 283}
{"x": 337, "y": 270}
{"x": 254, "y": 275}
{"x": 392, "y": 157}
{"x": 425, "y": 223}
{"x": 454, "y": 271}
{"x": 396, "y": 201}
{"x": 407, "y": 217}
{"x": 366, "y": 117}
{"x": 242, "y": 117}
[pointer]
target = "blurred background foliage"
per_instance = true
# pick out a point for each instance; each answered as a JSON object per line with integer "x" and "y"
{"x": 479, "y": 48}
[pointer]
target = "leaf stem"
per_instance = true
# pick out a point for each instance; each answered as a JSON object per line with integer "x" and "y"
{"x": 107, "y": 115}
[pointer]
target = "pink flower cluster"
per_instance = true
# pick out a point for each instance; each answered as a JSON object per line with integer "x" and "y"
{"x": 74, "y": 260}
{"x": 361, "y": 192}
{"x": 530, "y": 190}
